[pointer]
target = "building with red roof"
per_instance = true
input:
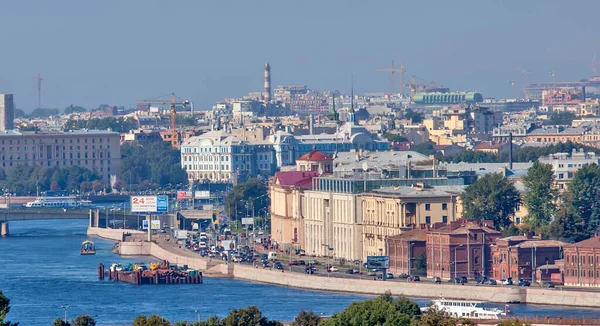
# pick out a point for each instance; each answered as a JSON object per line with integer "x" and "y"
{"x": 315, "y": 161}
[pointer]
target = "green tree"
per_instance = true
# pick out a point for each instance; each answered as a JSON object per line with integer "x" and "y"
{"x": 43, "y": 113}
{"x": 492, "y": 197}
{"x": 406, "y": 306}
{"x": 140, "y": 320}
{"x": 540, "y": 195}
{"x": 513, "y": 322}
{"x": 60, "y": 322}
{"x": 185, "y": 120}
{"x": 380, "y": 311}
{"x": 156, "y": 320}
{"x": 83, "y": 320}
{"x": 566, "y": 226}
{"x": 20, "y": 113}
{"x": 250, "y": 316}
{"x": 394, "y": 137}
{"x": 584, "y": 193}
{"x": 244, "y": 197}
{"x": 561, "y": 118}
{"x": 306, "y": 318}
{"x": 426, "y": 148}
{"x": 75, "y": 109}
{"x": 413, "y": 116}
{"x": 4, "y": 310}
{"x": 436, "y": 317}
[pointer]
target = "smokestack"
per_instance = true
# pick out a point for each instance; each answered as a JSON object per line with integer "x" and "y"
{"x": 311, "y": 122}
{"x": 267, "y": 90}
{"x": 510, "y": 151}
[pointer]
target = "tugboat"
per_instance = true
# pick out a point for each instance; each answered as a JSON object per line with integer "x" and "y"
{"x": 88, "y": 248}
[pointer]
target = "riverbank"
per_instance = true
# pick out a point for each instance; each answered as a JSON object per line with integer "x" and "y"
{"x": 214, "y": 268}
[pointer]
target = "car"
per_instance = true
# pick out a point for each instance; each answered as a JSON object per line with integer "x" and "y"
{"x": 389, "y": 276}
{"x": 278, "y": 265}
{"x": 490, "y": 282}
{"x": 309, "y": 269}
{"x": 403, "y": 276}
{"x": 463, "y": 280}
{"x": 458, "y": 280}
{"x": 301, "y": 262}
{"x": 437, "y": 280}
{"x": 524, "y": 283}
{"x": 508, "y": 281}
{"x": 356, "y": 271}
{"x": 349, "y": 271}
{"x": 293, "y": 263}
{"x": 547, "y": 284}
{"x": 333, "y": 269}
{"x": 480, "y": 280}
{"x": 414, "y": 279}
{"x": 372, "y": 272}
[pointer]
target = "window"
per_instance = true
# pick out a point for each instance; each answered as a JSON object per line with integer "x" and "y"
{"x": 427, "y": 207}
{"x": 445, "y": 219}
{"x": 428, "y": 219}
{"x": 444, "y": 206}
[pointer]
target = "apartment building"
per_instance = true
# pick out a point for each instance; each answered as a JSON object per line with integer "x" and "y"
{"x": 96, "y": 150}
{"x": 564, "y": 165}
{"x": 582, "y": 263}
{"x": 7, "y": 112}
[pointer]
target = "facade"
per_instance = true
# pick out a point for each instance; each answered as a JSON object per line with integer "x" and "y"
{"x": 590, "y": 108}
{"x": 406, "y": 252}
{"x": 438, "y": 98}
{"x": 565, "y": 165}
{"x": 287, "y": 194}
{"x": 387, "y": 212}
{"x": 218, "y": 156}
{"x": 315, "y": 161}
{"x": 7, "y": 112}
{"x": 518, "y": 256}
{"x": 95, "y": 150}
{"x": 461, "y": 248}
{"x": 582, "y": 263}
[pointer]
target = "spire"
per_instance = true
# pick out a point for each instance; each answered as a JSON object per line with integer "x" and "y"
{"x": 333, "y": 115}
{"x": 352, "y": 94}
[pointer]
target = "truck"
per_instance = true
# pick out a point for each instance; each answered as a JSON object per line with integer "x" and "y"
{"x": 181, "y": 234}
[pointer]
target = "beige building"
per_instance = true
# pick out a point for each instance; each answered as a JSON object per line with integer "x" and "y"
{"x": 389, "y": 211}
{"x": 96, "y": 150}
{"x": 7, "y": 112}
{"x": 589, "y": 108}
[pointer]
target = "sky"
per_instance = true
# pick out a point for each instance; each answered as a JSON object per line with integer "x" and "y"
{"x": 115, "y": 52}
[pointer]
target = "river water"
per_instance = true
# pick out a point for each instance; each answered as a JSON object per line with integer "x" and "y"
{"x": 41, "y": 270}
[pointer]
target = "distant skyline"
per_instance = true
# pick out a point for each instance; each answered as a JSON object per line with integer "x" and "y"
{"x": 116, "y": 52}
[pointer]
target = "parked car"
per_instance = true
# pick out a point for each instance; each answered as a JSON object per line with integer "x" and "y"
{"x": 389, "y": 276}
{"x": 332, "y": 269}
{"x": 437, "y": 280}
{"x": 403, "y": 276}
{"x": 524, "y": 283}
{"x": 278, "y": 265}
{"x": 508, "y": 281}
{"x": 301, "y": 262}
{"x": 356, "y": 271}
{"x": 491, "y": 282}
{"x": 293, "y": 263}
{"x": 309, "y": 270}
{"x": 414, "y": 278}
{"x": 463, "y": 280}
{"x": 349, "y": 271}
{"x": 547, "y": 284}
{"x": 372, "y": 272}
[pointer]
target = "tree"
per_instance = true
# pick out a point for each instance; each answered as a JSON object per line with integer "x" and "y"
{"x": 380, "y": 311}
{"x": 306, "y": 318}
{"x": 156, "y": 320}
{"x": 436, "y": 317}
{"x": 492, "y": 197}
{"x": 75, "y": 109}
{"x": 413, "y": 116}
{"x": 140, "y": 320}
{"x": 244, "y": 198}
{"x": 44, "y": 113}
{"x": 20, "y": 113}
{"x": 394, "y": 137}
{"x": 250, "y": 316}
{"x": 60, "y": 322}
{"x": 4, "y": 310}
{"x": 406, "y": 306}
{"x": 513, "y": 322}
{"x": 83, "y": 320}
{"x": 566, "y": 226}
{"x": 561, "y": 118}
{"x": 584, "y": 192}
{"x": 540, "y": 195}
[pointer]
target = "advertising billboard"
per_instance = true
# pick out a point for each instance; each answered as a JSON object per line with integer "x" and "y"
{"x": 247, "y": 220}
{"x": 202, "y": 194}
{"x": 378, "y": 262}
{"x": 184, "y": 194}
{"x": 149, "y": 204}
{"x": 155, "y": 225}
{"x": 227, "y": 244}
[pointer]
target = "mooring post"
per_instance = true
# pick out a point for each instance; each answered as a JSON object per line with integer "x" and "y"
{"x": 4, "y": 231}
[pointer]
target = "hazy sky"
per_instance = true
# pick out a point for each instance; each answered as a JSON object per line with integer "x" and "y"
{"x": 115, "y": 51}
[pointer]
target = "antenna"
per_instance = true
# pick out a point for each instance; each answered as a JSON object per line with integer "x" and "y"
{"x": 352, "y": 93}
{"x": 39, "y": 79}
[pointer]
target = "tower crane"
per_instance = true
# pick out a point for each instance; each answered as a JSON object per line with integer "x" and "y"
{"x": 172, "y": 111}
{"x": 413, "y": 87}
{"x": 393, "y": 71}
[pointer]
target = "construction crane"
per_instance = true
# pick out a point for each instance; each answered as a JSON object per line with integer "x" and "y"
{"x": 172, "y": 111}
{"x": 393, "y": 71}
{"x": 413, "y": 88}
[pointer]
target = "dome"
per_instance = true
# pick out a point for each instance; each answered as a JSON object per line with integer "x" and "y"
{"x": 314, "y": 156}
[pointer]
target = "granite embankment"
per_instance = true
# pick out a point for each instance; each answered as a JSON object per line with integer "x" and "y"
{"x": 216, "y": 268}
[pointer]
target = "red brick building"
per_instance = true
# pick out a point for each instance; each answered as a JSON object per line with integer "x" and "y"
{"x": 405, "y": 250}
{"x": 518, "y": 256}
{"x": 461, "y": 248}
{"x": 582, "y": 263}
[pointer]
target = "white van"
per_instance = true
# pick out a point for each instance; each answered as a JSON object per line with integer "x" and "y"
{"x": 272, "y": 255}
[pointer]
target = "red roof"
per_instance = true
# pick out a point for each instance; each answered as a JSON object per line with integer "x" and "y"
{"x": 488, "y": 145}
{"x": 300, "y": 179}
{"x": 314, "y": 156}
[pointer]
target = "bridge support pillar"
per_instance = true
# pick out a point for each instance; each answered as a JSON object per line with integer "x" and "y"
{"x": 4, "y": 229}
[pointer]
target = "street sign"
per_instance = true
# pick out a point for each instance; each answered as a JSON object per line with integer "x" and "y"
{"x": 149, "y": 204}
{"x": 155, "y": 225}
{"x": 202, "y": 194}
{"x": 378, "y": 262}
{"x": 247, "y": 220}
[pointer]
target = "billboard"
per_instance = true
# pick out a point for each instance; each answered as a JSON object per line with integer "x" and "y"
{"x": 378, "y": 262}
{"x": 149, "y": 204}
{"x": 228, "y": 244}
{"x": 155, "y": 225}
{"x": 184, "y": 194}
{"x": 202, "y": 194}
{"x": 247, "y": 220}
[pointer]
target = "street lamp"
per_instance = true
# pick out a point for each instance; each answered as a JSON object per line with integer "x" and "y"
{"x": 198, "y": 313}
{"x": 409, "y": 248}
{"x": 455, "y": 259}
{"x": 65, "y": 309}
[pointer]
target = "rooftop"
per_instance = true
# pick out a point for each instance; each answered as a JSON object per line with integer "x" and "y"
{"x": 314, "y": 156}
{"x": 9, "y": 133}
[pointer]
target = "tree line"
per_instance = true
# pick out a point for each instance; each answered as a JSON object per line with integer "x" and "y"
{"x": 28, "y": 180}
{"x": 571, "y": 214}
{"x": 113, "y": 123}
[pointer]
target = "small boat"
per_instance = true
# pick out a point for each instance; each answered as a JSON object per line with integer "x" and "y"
{"x": 88, "y": 248}
{"x": 468, "y": 309}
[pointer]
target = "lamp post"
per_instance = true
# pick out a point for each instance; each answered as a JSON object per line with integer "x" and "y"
{"x": 65, "y": 309}
{"x": 198, "y": 313}
{"x": 409, "y": 248}
{"x": 455, "y": 259}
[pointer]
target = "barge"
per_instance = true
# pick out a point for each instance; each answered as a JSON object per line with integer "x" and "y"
{"x": 162, "y": 273}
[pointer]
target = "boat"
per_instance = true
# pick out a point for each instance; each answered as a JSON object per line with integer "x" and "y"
{"x": 468, "y": 309}
{"x": 58, "y": 202}
{"x": 88, "y": 248}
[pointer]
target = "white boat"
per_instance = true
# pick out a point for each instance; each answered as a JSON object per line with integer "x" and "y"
{"x": 53, "y": 202}
{"x": 468, "y": 309}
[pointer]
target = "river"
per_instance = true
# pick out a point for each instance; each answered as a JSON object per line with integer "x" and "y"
{"x": 42, "y": 270}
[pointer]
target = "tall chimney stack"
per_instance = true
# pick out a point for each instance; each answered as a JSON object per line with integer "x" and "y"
{"x": 267, "y": 90}
{"x": 510, "y": 151}
{"x": 311, "y": 124}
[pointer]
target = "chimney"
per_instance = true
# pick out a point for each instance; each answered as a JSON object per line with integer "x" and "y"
{"x": 311, "y": 123}
{"x": 267, "y": 89}
{"x": 510, "y": 151}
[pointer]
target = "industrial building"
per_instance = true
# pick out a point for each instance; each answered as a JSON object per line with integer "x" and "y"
{"x": 7, "y": 112}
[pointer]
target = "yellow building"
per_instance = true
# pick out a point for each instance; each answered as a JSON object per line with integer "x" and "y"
{"x": 389, "y": 211}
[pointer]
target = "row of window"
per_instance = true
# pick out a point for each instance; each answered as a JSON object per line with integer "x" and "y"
{"x": 64, "y": 156}
{"x": 57, "y": 163}
{"x": 33, "y": 141}
{"x": 57, "y": 148}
